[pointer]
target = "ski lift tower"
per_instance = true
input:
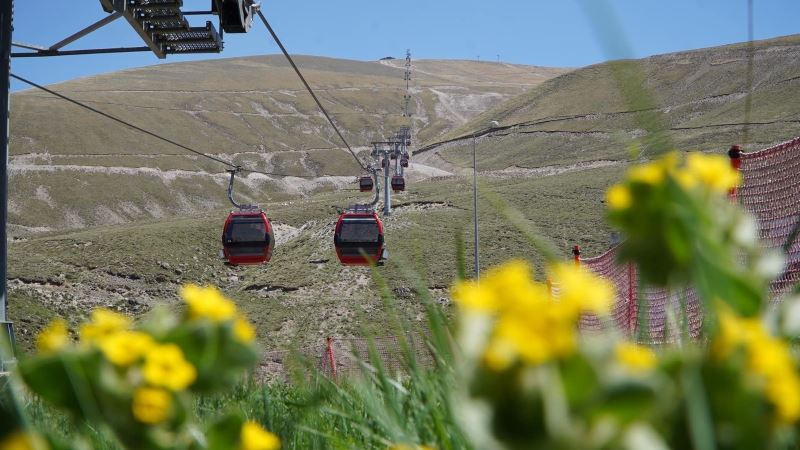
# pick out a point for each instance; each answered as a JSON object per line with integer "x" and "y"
{"x": 382, "y": 151}
{"x": 407, "y": 96}
{"x": 164, "y": 29}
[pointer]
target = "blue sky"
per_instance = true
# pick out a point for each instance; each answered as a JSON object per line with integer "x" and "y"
{"x": 563, "y": 33}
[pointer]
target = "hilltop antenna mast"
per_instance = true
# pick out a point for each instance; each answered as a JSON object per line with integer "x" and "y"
{"x": 407, "y": 97}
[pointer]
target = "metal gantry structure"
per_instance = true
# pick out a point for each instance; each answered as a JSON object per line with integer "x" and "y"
{"x": 163, "y": 27}
{"x": 161, "y": 24}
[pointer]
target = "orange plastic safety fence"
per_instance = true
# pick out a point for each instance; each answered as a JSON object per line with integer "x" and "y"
{"x": 771, "y": 192}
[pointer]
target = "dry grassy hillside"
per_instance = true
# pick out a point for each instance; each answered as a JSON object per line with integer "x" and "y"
{"x": 584, "y": 116}
{"x": 71, "y": 168}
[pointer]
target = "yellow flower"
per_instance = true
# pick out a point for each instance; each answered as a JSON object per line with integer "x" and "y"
{"x": 207, "y": 303}
{"x": 512, "y": 285}
{"x": 735, "y": 331}
{"x": 151, "y": 405}
{"x": 529, "y": 341}
{"x": 499, "y": 354}
{"x": 635, "y": 358}
{"x": 713, "y": 171}
{"x": 647, "y": 173}
{"x": 126, "y": 347}
{"x": 784, "y": 392}
{"x": 104, "y": 323}
{"x": 473, "y": 296}
{"x": 54, "y": 337}
{"x": 165, "y": 366}
{"x": 243, "y": 331}
{"x": 254, "y": 437}
{"x": 768, "y": 357}
{"x": 20, "y": 440}
{"x": 618, "y": 197}
{"x": 685, "y": 179}
{"x": 581, "y": 289}
{"x": 529, "y": 324}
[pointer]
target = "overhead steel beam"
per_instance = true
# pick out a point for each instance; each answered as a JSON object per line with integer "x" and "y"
{"x": 28, "y": 46}
{"x": 91, "y": 51}
{"x": 93, "y": 27}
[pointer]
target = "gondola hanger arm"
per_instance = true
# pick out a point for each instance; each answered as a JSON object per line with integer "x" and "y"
{"x": 236, "y": 205}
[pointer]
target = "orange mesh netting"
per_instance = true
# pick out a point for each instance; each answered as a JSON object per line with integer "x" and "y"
{"x": 771, "y": 191}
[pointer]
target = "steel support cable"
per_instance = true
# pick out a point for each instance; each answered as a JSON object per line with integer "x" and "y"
{"x": 748, "y": 101}
{"x": 150, "y": 133}
{"x": 308, "y": 87}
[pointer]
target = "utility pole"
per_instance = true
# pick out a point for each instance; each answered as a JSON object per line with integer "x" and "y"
{"x": 475, "y": 207}
{"x": 6, "y": 27}
{"x": 492, "y": 125}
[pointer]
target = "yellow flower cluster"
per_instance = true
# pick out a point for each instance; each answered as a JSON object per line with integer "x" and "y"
{"x": 712, "y": 172}
{"x": 207, "y": 303}
{"x": 165, "y": 366}
{"x": 156, "y": 370}
{"x": 103, "y": 323}
{"x": 254, "y": 437}
{"x": 126, "y": 347}
{"x": 19, "y": 440}
{"x": 530, "y": 324}
{"x": 768, "y": 357}
{"x": 210, "y": 304}
{"x": 636, "y": 358}
{"x": 53, "y": 337}
{"x": 151, "y": 405}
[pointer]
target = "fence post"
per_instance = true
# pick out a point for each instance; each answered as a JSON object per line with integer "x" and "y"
{"x": 576, "y": 255}
{"x": 633, "y": 304}
{"x": 735, "y": 154}
{"x": 331, "y": 359}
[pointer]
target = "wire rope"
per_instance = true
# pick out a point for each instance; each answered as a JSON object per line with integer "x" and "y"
{"x": 153, "y": 134}
{"x": 308, "y": 87}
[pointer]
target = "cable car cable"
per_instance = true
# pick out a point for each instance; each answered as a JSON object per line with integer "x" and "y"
{"x": 152, "y": 134}
{"x": 308, "y": 88}
{"x": 118, "y": 120}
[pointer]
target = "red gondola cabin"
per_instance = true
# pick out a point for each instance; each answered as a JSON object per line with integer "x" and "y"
{"x": 398, "y": 183}
{"x": 365, "y": 183}
{"x": 358, "y": 237}
{"x": 247, "y": 238}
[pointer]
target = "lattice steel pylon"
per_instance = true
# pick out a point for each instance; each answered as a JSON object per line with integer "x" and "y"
{"x": 407, "y": 96}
